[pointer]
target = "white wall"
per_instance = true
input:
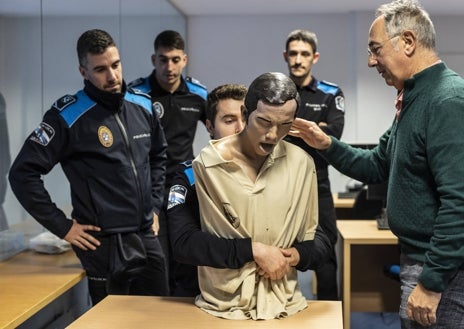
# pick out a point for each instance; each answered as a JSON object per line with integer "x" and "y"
{"x": 226, "y": 49}
{"x": 221, "y": 50}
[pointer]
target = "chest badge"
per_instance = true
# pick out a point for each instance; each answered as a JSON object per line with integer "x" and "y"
{"x": 159, "y": 109}
{"x": 105, "y": 136}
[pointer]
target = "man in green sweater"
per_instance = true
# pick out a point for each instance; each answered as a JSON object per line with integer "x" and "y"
{"x": 422, "y": 157}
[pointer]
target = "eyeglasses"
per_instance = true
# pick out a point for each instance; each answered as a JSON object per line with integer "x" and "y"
{"x": 374, "y": 50}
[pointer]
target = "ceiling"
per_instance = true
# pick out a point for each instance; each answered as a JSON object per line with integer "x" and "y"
{"x": 212, "y": 7}
{"x": 274, "y": 7}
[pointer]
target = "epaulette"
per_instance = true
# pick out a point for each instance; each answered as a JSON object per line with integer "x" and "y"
{"x": 72, "y": 107}
{"x": 64, "y": 101}
{"x": 138, "y": 92}
{"x": 136, "y": 82}
{"x": 187, "y": 164}
{"x": 328, "y": 87}
{"x": 188, "y": 171}
{"x": 196, "y": 87}
{"x": 196, "y": 82}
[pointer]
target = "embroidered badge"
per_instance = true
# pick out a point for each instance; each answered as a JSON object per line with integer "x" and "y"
{"x": 340, "y": 103}
{"x": 231, "y": 215}
{"x": 105, "y": 136}
{"x": 43, "y": 134}
{"x": 159, "y": 109}
{"x": 177, "y": 195}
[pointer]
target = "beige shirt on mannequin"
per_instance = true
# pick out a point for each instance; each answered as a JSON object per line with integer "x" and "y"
{"x": 279, "y": 208}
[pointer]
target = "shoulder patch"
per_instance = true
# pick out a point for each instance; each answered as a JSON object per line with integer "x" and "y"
{"x": 43, "y": 134}
{"x": 327, "y": 87}
{"x": 64, "y": 101}
{"x": 340, "y": 103}
{"x": 196, "y": 87}
{"x": 177, "y": 195}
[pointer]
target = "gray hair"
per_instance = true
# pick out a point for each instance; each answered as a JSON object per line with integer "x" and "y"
{"x": 403, "y": 15}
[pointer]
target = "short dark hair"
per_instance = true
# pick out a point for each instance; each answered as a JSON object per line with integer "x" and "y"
{"x": 227, "y": 91}
{"x": 169, "y": 39}
{"x": 302, "y": 35}
{"x": 93, "y": 42}
{"x": 273, "y": 88}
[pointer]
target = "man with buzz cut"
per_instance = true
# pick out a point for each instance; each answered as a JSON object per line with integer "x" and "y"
{"x": 180, "y": 104}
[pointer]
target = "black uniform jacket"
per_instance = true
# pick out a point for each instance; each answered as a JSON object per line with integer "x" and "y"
{"x": 112, "y": 150}
{"x": 179, "y": 113}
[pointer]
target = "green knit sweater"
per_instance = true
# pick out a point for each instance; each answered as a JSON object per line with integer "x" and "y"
{"x": 422, "y": 156}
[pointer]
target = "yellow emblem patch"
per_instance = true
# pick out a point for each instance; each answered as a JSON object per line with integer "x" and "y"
{"x": 105, "y": 136}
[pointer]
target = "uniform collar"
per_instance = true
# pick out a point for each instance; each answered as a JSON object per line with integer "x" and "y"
{"x": 110, "y": 101}
{"x": 157, "y": 90}
{"x": 312, "y": 86}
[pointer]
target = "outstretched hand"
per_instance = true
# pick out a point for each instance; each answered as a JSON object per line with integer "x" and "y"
{"x": 311, "y": 133}
{"x": 79, "y": 237}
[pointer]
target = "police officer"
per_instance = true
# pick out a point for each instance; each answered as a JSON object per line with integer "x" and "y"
{"x": 113, "y": 151}
{"x": 179, "y": 103}
{"x": 323, "y": 103}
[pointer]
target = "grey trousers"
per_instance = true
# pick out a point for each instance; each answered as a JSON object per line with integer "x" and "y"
{"x": 450, "y": 312}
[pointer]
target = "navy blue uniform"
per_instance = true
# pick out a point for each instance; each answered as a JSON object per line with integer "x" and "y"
{"x": 193, "y": 247}
{"x": 322, "y": 101}
{"x": 179, "y": 113}
{"x": 113, "y": 151}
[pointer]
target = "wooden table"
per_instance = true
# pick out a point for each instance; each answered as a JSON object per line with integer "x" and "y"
{"x": 29, "y": 281}
{"x": 342, "y": 203}
{"x": 364, "y": 250}
{"x": 343, "y": 207}
{"x": 170, "y": 312}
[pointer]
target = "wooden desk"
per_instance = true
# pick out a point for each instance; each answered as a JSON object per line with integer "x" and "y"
{"x": 364, "y": 250}
{"x": 343, "y": 207}
{"x": 342, "y": 203}
{"x": 29, "y": 281}
{"x": 170, "y": 312}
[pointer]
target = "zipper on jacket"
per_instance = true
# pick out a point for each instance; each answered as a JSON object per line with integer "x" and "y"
{"x": 132, "y": 162}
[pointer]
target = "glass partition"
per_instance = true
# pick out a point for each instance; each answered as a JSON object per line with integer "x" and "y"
{"x": 38, "y": 65}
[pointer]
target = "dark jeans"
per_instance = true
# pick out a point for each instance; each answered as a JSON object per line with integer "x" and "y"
{"x": 450, "y": 312}
{"x": 152, "y": 280}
